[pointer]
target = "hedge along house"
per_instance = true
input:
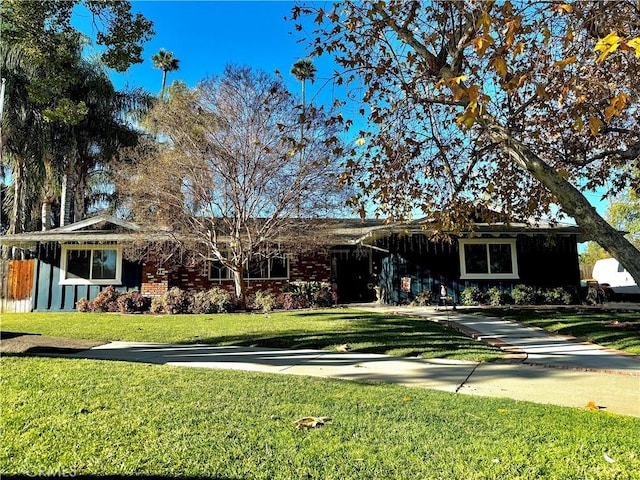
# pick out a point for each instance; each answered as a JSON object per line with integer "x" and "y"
{"x": 81, "y": 259}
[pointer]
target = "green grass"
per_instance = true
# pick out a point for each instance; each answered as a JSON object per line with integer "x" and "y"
{"x": 320, "y": 329}
{"x": 83, "y": 417}
{"x": 615, "y": 329}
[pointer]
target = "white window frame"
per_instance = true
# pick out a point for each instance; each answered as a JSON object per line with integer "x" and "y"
{"x": 88, "y": 281}
{"x": 230, "y": 276}
{"x": 217, "y": 279}
{"x": 486, "y": 241}
{"x": 269, "y": 277}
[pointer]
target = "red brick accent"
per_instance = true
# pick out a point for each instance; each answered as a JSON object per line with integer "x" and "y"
{"x": 311, "y": 268}
{"x": 155, "y": 279}
{"x": 158, "y": 279}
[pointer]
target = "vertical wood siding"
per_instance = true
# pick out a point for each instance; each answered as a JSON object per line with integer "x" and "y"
{"x": 49, "y": 295}
{"x": 545, "y": 261}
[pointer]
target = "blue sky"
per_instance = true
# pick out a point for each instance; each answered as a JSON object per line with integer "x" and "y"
{"x": 207, "y": 35}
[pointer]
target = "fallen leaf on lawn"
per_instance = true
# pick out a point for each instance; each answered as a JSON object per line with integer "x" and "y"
{"x": 406, "y": 399}
{"x": 343, "y": 348}
{"x": 592, "y": 406}
{"x": 311, "y": 422}
{"x": 609, "y": 459}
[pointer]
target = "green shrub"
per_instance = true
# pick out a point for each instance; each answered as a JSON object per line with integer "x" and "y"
{"x": 322, "y": 297}
{"x": 157, "y": 305}
{"x": 496, "y": 296}
{"x": 557, "y": 296}
{"x": 423, "y": 299}
{"x": 264, "y": 300}
{"x": 306, "y": 295}
{"x": 133, "y": 302}
{"x": 215, "y": 300}
{"x": 291, "y": 301}
{"x": 523, "y": 295}
{"x": 472, "y": 296}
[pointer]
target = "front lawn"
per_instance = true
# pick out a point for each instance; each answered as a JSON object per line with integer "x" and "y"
{"x": 610, "y": 328}
{"x": 70, "y": 417}
{"x": 318, "y": 329}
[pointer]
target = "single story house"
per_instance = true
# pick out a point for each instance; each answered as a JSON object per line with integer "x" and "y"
{"x": 81, "y": 259}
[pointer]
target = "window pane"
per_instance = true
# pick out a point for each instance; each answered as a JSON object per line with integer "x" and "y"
{"x": 257, "y": 269}
{"x": 278, "y": 268}
{"x": 78, "y": 264}
{"x": 104, "y": 264}
{"x": 500, "y": 257}
{"x": 218, "y": 271}
{"x": 475, "y": 258}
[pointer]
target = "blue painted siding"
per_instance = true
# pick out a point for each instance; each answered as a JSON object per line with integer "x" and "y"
{"x": 543, "y": 261}
{"x": 49, "y": 295}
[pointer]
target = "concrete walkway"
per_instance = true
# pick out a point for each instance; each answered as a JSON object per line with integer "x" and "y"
{"x": 547, "y": 368}
{"x": 532, "y": 345}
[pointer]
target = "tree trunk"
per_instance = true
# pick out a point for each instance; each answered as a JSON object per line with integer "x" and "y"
{"x": 572, "y": 201}
{"x": 65, "y": 202}
{"x": 48, "y": 195}
{"x": 164, "y": 84}
{"x": 15, "y": 222}
{"x": 46, "y": 214}
{"x": 240, "y": 287}
{"x": 79, "y": 185}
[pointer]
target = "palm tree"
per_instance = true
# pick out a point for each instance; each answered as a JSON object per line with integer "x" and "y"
{"x": 166, "y": 62}
{"x": 23, "y": 141}
{"x": 55, "y": 158}
{"x": 304, "y": 70}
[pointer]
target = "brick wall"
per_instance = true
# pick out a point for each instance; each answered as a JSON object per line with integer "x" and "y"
{"x": 155, "y": 279}
{"x": 192, "y": 278}
{"x": 311, "y": 268}
{"x": 158, "y": 279}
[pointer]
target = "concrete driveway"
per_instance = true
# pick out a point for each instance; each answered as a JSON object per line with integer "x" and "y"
{"x": 612, "y": 392}
{"x": 540, "y": 367}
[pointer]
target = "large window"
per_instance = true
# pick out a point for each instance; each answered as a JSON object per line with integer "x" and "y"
{"x": 480, "y": 258}
{"x": 91, "y": 265}
{"x": 258, "y": 269}
{"x": 218, "y": 272}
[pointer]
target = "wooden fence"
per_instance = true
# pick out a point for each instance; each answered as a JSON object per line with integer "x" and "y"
{"x": 16, "y": 285}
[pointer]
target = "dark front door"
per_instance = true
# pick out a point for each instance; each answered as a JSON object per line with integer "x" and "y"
{"x": 351, "y": 271}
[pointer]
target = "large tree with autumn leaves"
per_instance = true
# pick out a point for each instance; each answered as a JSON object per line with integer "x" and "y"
{"x": 519, "y": 107}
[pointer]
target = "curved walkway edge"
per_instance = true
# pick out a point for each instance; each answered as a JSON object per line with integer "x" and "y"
{"x": 540, "y": 366}
{"x": 529, "y": 345}
{"x": 618, "y": 394}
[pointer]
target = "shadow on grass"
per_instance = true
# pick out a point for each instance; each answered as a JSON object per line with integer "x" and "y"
{"x": 9, "y": 335}
{"x": 395, "y": 335}
{"x": 400, "y": 336}
{"x": 359, "y": 341}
